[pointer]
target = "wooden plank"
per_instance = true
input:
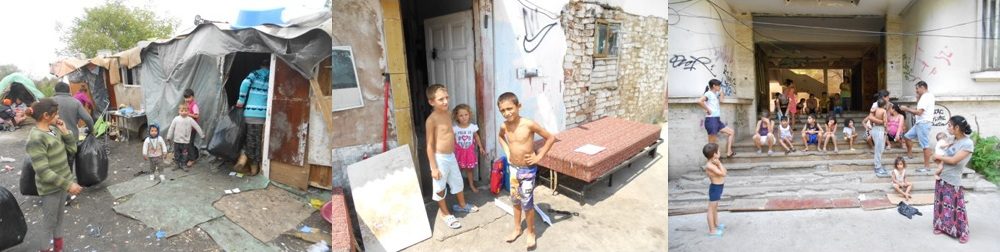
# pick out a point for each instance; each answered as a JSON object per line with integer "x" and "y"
{"x": 291, "y": 175}
{"x": 289, "y": 115}
{"x": 321, "y": 176}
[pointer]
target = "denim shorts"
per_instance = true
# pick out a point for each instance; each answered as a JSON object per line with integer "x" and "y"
{"x": 922, "y": 132}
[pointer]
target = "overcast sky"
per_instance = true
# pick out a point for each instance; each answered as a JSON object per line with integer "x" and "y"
{"x": 30, "y": 38}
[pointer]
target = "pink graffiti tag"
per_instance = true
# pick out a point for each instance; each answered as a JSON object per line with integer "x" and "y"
{"x": 942, "y": 55}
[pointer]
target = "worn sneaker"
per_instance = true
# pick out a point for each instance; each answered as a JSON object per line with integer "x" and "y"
{"x": 923, "y": 170}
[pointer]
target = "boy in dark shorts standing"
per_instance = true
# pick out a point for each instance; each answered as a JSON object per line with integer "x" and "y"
{"x": 717, "y": 174}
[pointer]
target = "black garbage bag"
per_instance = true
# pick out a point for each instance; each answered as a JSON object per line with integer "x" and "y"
{"x": 28, "y": 186}
{"x": 12, "y": 226}
{"x": 227, "y": 139}
{"x": 91, "y": 162}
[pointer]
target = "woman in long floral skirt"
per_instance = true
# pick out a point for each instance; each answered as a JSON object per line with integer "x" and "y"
{"x": 950, "y": 216}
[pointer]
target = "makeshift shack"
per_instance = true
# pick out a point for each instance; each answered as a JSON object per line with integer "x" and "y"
{"x": 212, "y": 59}
{"x": 18, "y": 86}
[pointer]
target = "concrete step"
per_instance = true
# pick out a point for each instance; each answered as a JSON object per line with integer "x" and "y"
{"x": 791, "y": 167}
{"x": 812, "y": 155}
{"x": 700, "y": 181}
{"x": 804, "y": 190}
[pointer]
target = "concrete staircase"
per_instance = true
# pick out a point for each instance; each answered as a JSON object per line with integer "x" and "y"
{"x": 842, "y": 179}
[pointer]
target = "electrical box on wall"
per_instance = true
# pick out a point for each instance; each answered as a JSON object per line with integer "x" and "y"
{"x": 527, "y": 73}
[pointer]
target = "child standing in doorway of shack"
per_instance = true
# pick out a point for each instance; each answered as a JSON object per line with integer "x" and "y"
{"x": 441, "y": 155}
{"x": 194, "y": 113}
{"x": 717, "y": 176}
{"x": 153, "y": 149}
{"x": 180, "y": 134}
{"x": 466, "y": 141}
{"x": 517, "y": 137}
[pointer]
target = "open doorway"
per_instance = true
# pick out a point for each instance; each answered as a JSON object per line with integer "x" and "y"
{"x": 239, "y": 65}
{"x": 440, "y": 49}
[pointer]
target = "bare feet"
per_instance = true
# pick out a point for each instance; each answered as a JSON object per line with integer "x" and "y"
{"x": 531, "y": 240}
{"x": 190, "y": 163}
{"x": 513, "y": 236}
{"x": 474, "y": 190}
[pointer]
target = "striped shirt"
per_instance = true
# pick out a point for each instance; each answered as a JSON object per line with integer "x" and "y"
{"x": 49, "y": 154}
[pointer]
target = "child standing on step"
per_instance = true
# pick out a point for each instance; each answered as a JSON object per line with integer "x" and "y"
{"x": 811, "y": 133}
{"x": 466, "y": 141}
{"x": 899, "y": 181}
{"x": 180, "y": 134}
{"x": 764, "y": 136}
{"x": 717, "y": 175}
{"x": 831, "y": 133}
{"x": 849, "y": 133}
{"x": 786, "y": 136}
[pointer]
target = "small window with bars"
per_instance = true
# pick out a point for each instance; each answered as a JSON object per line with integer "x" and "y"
{"x": 990, "y": 31}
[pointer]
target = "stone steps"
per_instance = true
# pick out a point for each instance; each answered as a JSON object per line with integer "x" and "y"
{"x": 812, "y": 155}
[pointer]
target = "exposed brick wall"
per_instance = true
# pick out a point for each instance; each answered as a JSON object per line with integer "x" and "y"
{"x": 629, "y": 86}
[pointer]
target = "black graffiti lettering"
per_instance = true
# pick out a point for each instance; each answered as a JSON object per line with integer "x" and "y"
{"x": 691, "y": 63}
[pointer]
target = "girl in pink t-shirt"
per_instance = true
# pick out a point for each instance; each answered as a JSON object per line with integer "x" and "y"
{"x": 466, "y": 139}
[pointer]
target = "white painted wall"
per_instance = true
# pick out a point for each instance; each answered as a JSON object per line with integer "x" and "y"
{"x": 657, "y": 8}
{"x": 949, "y": 61}
{"x": 701, "y": 50}
{"x": 541, "y": 97}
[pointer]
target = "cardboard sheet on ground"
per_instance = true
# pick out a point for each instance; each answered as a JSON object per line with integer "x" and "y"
{"x": 919, "y": 199}
{"x": 388, "y": 201}
{"x": 131, "y": 186}
{"x": 265, "y": 214}
{"x": 231, "y": 237}
{"x": 178, "y": 205}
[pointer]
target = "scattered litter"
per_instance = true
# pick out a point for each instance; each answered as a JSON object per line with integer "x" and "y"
{"x": 228, "y": 191}
{"x": 240, "y": 175}
{"x": 320, "y": 246}
{"x": 316, "y": 203}
{"x": 7, "y": 168}
{"x": 6, "y": 159}
{"x": 94, "y": 231}
{"x": 236, "y": 190}
{"x": 503, "y": 206}
{"x": 232, "y": 173}
{"x": 545, "y": 217}
{"x": 160, "y": 235}
{"x": 306, "y": 229}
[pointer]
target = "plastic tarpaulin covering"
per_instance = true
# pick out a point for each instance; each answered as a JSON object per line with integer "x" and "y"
{"x": 95, "y": 82}
{"x": 196, "y": 60}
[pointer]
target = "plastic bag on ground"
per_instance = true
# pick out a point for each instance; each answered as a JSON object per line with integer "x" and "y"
{"x": 91, "y": 162}
{"x": 12, "y": 225}
{"x": 227, "y": 139}
{"x": 28, "y": 186}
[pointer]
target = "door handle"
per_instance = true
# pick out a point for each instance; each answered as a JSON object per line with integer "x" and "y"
{"x": 434, "y": 53}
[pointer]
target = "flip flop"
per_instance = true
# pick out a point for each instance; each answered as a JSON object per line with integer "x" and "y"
{"x": 469, "y": 208}
{"x": 717, "y": 234}
{"x": 731, "y": 154}
{"x": 452, "y": 222}
{"x": 721, "y": 227}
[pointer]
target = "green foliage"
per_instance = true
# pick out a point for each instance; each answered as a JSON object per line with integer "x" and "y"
{"x": 47, "y": 86}
{"x": 986, "y": 158}
{"x": 113, "y": 26}
{"x": 7, "y": 70}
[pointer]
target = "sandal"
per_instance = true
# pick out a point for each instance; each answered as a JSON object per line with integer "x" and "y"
{"x": 963, "y": 240}
{"x": 731, "y": 154}
{"x": 452, "y": 222}
{"x": 937, "y": 232}
{"x": 721, "y": 226}
{"x": 717, "y": 234}
{"x": 469, "y": 208}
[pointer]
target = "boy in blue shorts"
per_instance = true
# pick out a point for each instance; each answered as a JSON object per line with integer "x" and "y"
{"x": 516, "y": 137}
{"x": 717, "y": 175}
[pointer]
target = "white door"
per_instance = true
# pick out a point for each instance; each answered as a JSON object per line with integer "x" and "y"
{"x": 449, "y": 56}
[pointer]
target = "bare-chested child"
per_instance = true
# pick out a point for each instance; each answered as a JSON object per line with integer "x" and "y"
{"x": 441, "y": 156}
{"x": 517, "y": 137}
{"x": 717, "y": 176}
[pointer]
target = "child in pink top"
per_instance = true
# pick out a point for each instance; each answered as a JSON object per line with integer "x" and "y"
{"x": 466, "y": 139}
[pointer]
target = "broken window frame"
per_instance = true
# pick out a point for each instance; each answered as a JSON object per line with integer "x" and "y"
{"x": 124, "y": 72}
{"x": 612, "y": 29}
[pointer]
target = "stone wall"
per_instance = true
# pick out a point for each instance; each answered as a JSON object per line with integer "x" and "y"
{"x": 630, "y": 85}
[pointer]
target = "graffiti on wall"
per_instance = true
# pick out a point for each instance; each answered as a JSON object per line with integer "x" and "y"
{"x": 692, "y": 63}
{"x": 917, "y": 68}
{"x": 534, "y": 31}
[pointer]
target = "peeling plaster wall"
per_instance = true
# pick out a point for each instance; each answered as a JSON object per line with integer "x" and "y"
{"x": 360, "y": 126}
{"x": 629, "y": 85}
